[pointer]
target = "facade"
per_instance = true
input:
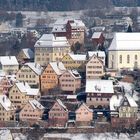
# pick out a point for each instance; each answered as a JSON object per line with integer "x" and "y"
{"x": 30, "y": 73}
{"x": 75, "y": 31}
{"x": 25, "y": 55}
{"x": 99, "y": 92}
{"x": 5, "y": 85}
{"x": 9, "y": 64}
{"x": 94, "y": 68}
{"x": 58, "y": 114}
{"x": 70, "y": 80}
{"x": 50, "y": 75}
{"x": 50, "y": 48}
{"x": 98, "y": 39}
{"x": 100, "y": 54}
{"x": 84, "y": 114}
{"x": 6, "y": 109}
{"x": 74, "y": 61}
{"x": 33, "y": 110}
{"x": 21, "y": 92}
{"x": 124, "y": 51}
{"x": 123, "y": 111}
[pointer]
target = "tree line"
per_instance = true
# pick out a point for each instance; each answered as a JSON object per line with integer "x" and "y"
{"x": 52, "y": 5}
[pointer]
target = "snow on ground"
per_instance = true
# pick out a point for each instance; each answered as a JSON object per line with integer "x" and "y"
{"x": 96, "y": 136}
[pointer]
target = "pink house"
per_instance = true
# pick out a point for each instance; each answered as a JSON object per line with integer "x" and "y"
{"x": 58, "y": 114}
{"x": 84, "y": 114}
{"x": 70, "y": 81}
{"x": 33, "y": 110}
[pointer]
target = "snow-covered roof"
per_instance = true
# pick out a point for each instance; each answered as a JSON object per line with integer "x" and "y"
{"x": 58, "y": 67}
{"x": 131, "y": 100}
{"x": 28, "y": 53}
{"x": 19, "y": 136}
{"x": 5, "y": 134}
{"x": 26, "y": 89}
{"x": 125, "y": 41}
{"x": 49, "y": 40}
{"x": 99, "y": 86}
{"x": 74, "y": 73}
{"x": 6, "y": 103}
{"x": 59, "y": 28}
{"x": 83, "y": 104}
{"x": 71, "y": 96}
{"x": 115, "y": 102}
{"x": 35, "y": 67}
{"x": 77, "y": 23}
{"x": 8, "y": 60}
{"x": 97, "y": 53}
{"x": 77, "y": 57}
{"x": 35, "y": 104}
{"x": 61, "y": 104}
{"x": 96, "y": 35}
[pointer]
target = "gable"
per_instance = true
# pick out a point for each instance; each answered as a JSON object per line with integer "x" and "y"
{"x": 125, "y": 103}
{"x": 93, "y": 59}
{"x": 82, "y": 108}
{"x": 67, "y": 58}
{"x": 57, "y": 107}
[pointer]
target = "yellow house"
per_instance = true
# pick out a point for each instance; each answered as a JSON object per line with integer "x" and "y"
{"x": 74, "y": 61}
{"x": 50, "y": 48}
{"x": 6, "y": 109}
{"x": 30, "y": 73}
{"x": 33, "y": 110}
{"x": 9, "y": 64}
{"x": 21, "y": 92}
{"x": 124, "y": 51}
{"x": 83, "y": 113}
{"x": 50, "y": 75}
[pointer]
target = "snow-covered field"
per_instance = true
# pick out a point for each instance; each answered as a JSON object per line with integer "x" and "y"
{"x": 100, "y": 136}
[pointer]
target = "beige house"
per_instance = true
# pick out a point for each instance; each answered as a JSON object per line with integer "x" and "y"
{"x": 58, "y": 114}
{"x": 30, "y": 73}
{"x": 70, "y": 81}
{"x": 94, "y": 68}
{"x": 33, "y": 110}
{"x": 50, "y": 48}
{"x": 124, "y": 110}
{"x": 6, "y": 109}
{"x": 50, "y": 75}
{"x": 124, "y": 51}
{"x": 100, "y": 54}
{"x": 83, "y": 113}
{"x": 21, "y": 93}
{"x": 9, "y": 64}
{"x": 99, "y": 92}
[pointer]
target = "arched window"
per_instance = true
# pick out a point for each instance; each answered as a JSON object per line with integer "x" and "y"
{"x": 128, "y": 58}
{"x": 120, "y": 59}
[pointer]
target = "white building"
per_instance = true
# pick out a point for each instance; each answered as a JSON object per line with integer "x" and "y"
{"x": 124, "y": 51}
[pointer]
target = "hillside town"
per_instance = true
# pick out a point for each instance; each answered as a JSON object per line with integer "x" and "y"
{"x": 74, "y": 78}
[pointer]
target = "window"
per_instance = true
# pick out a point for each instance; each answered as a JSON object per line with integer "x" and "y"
{"x": 136, "y": 57}
{"x": 128, "y": 58}
{"x": 120, "y": 59}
